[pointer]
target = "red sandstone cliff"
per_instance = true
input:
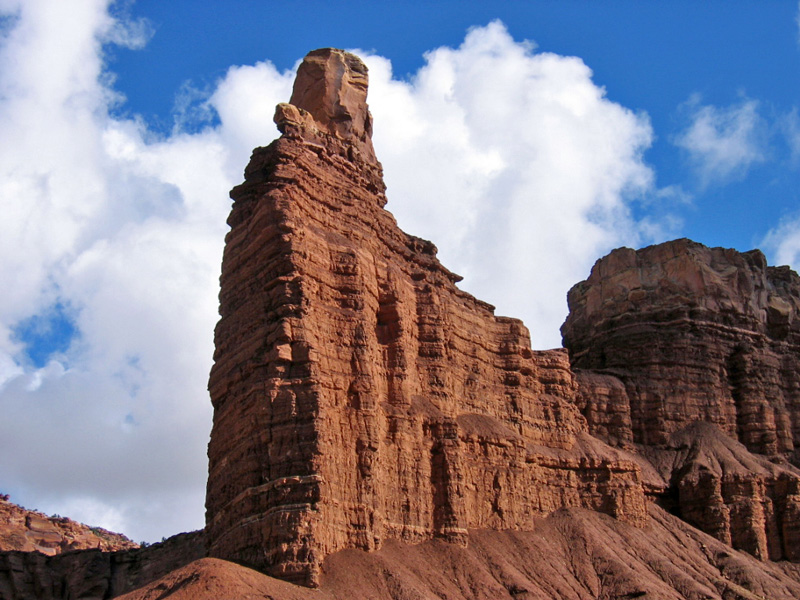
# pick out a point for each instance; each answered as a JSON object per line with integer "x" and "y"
{"x": 359, "y": 395}
{"x": 708, "y": 334}
{"x": 692, "y": 355}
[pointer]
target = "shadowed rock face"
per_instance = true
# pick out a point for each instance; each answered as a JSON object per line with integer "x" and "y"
{"x": 93, "y": 574}
{"x": 50, "y": 558}
{"x": 359, "y": 395}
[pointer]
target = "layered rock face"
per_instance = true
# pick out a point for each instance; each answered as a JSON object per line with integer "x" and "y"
{"x": 358, "y": 394}
{"x": 680, "y": 350}
{"x": 701, "y": 334}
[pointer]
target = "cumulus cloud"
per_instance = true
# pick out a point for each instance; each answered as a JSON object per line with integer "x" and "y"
{"x": 782, "y": 244}
{"x": 126, "y": 229}
{"x": 514, "y": 162}
{"x": 723, "y": 142}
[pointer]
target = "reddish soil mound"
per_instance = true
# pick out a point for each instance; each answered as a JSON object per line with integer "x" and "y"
{"x": 574, "y": 554}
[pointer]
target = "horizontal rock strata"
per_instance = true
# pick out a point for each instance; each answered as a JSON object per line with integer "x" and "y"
{"x": 681, "y": 350}
{"x": 358, "y": 394}
{"x": 695, "y": 334}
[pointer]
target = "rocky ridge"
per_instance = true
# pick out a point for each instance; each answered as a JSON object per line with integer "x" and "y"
{"x": 29, "y": 530}
{"x": 94, "y": 574}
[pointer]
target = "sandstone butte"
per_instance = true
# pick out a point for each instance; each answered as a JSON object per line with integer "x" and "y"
{"x": 379, "y": 433}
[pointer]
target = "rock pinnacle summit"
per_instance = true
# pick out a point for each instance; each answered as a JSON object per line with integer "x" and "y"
{"x": 330, "y": 93}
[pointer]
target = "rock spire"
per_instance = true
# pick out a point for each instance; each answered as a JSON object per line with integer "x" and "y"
{"x": 330, "y": 94}
{"x": 359, "y": 395}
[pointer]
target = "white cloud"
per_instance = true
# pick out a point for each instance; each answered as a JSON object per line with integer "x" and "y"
{"x": 514, "y": 163}
{"x": 128, "y": 231}
{"x": 723, "y": 143}
{"x": 245, "y": 101}
{"x": 782, "y": 243}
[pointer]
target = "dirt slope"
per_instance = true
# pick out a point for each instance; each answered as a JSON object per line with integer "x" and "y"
{"x": 574, "y": 554}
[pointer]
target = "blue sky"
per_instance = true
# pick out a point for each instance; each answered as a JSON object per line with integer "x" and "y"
{"x": 526, "y": 139}
{"x": 656, "y": 57}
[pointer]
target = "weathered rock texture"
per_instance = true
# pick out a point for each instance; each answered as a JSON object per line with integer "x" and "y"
{"x": 681, "y": 350}
{"x": 29, "y": 530}
{"x": 359, "y": 395}
{"x": 697, "y": 334}
{"x": 330, "y": 94}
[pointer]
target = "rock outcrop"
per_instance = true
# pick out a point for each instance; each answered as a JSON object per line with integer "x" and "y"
{"x": 54, "y": 558}
{"x": 330, "y": 95}
{"x": 30, "y": 530}
{"x": 359, "y": 396}
{"x": 94, "y": 574}
{"x": 681, "y": 350}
